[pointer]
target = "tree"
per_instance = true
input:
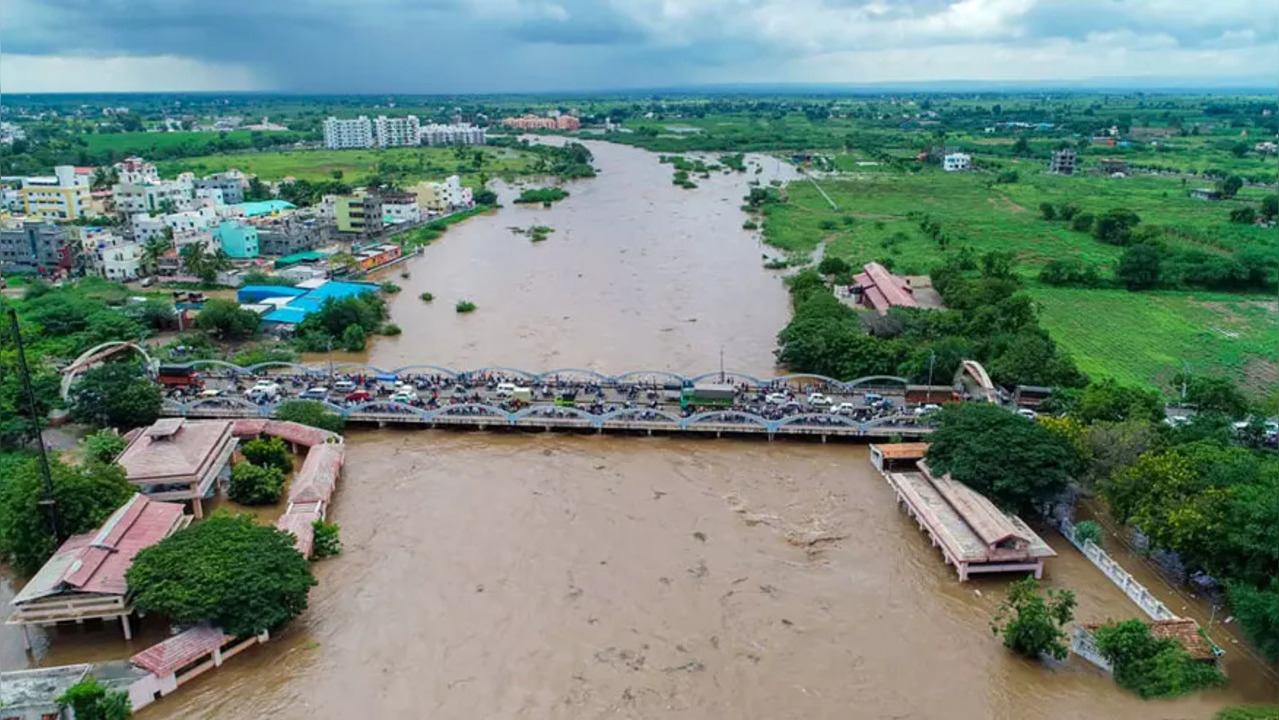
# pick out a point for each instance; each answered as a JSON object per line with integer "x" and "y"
{"x": 326, "y": 542}
{"x": 831, "y": 265}
{"x": 1150, "y": 666}
{"x": 1139, "y": 267}
{"x": 1048, "y": 211}
{"x": 1021, "y": 147}
{"x": 1082, "y": 222}
{"x": 485, "y": 196}
{"x": 1230, "y": 185}
{"x": 227, "y": 571}
{"x": 1032, "y": 358}
{"x": 1068, "y": 271}
{"x": 226, "y": 320}
{"x": 1032, "y": 624}
{"x": 91, "y": 700}
{"x": 1270, "y": 207}
{"x": 1244, "y": 215}
{"x": 312, "y": 413}
{"x": 194, "y": 259}
{"x": 1013, "y": 461}
{"x": 255, "y": 485}
{"x": 1258, "y": 611}
{"x": 268, "y": 452}
{"x": 258, "y": 191}
{"x": 86, "y": 496}
{"x": 1107, "y": 400}
{"x": 1213, "y": 394}
{"x": 17, "y": 427}
{"x": 103, "y": 446}
{"x": 1115, "y": 226}
{"x": 152, "y": 250}
{"x": 353, "y": 339}
{"x": 118, "y": 395}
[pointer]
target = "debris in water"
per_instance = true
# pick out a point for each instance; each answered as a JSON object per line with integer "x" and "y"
{"x": 479, "y": 588}
{"x": 693, "y": 666}
{"x": 664, "y": 580}
{"x": 787, "y": 623}
{"x": 700, "y": 571}
{"x": 700, "y": 535}
{"x": 658, "y": 494}
{"x": 768, "y": 590}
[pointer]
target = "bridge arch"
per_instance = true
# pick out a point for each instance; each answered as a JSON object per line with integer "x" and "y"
{"x": 472, "y": 374}
{"x": 417, "y": 369}
{"x": 729, "y": 377}
{"x": 877, "y": 381}
{"x": 888, "y": 420}
{"x": 643, "y": 376}
{"x": 974, "y": 379}
{"x": 801, "y": 377}
{"x": 594, "y": 376}
{"x": 374, "y": 405}
{"x": 102, "y": 352}
{"x": 534, "y": 410}
{"x": 713, "y": 415}
{"x": 623, "y": 412}
{"x": 224, "y": 401}
{"x": 826, "y": 419}
{"x": 489, "y": 410}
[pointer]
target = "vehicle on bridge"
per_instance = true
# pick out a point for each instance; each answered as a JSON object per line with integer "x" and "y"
{"x": 708, "y": 395}
{"x": 174, "y": 377}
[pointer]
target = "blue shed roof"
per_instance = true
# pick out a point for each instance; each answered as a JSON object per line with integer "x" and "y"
{"x": 264, "y": 207}
{"x": 286, "y": 315}
{"x": 254, "y": 293}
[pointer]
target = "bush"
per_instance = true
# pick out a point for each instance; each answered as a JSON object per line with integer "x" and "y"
{"x": 228, "y": 571}
{"x": 390, "y": 329}
{"x": 1068, "y": 211}
{"x": 255, "y": 485}
{"x": 1140, "y": 267}
{"x": 545, "y": 196}
{"x": 91, "y": 700}
{"x": 389, "y": 287}
{"x": 1030, "y": 624}
{"x": 1082, "y": 222}
{"x": 750, "y": 225}
{"x": 1089, "y": 532}
{"x": 268, "y": 452}
{"x": 354, "y": 339}
{"x": 326, "y": 542}
{"x": 226, "y": 320}
{"x": 1048, "y": 211}
{"x": 1115, "y": 226}
{"x": 1243, "y": 215}
{"x": 465, "y": 306}
{"x": 1150, "y": 666}
{"x": 1007, "y": 177}
{"x": 1068, "y": 272}
{"x": 104, "y": 446}
{"x": 426, "y": 297}
{"x": 312, "y": 413}
{"x": 833, "y": 266}
{"x": 115, "y": 395}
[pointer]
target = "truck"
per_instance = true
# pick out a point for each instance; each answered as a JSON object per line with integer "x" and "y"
{"x": 177, "y": 376}
{"x": 708, "y": 395}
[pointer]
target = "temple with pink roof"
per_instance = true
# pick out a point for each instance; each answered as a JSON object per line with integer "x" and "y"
{"x": 85, "y": 578}
{"x": 881, "y": 290}
{"x": 180, "y": 459}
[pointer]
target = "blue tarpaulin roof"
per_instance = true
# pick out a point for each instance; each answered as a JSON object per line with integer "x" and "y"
{"x": 265, "y": 207}
{"x": 256, "y": 293}
{"x": 302, "y": 305}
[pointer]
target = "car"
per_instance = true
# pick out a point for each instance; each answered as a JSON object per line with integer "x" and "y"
{"x": 405, "y": 396}
{"x": 319, "y": 392}
{"x": 928, "y": 409}
{"x": 511, "y": 390}
{"x": 844, "y": 408}
{"x": 873, "y": 398}
{"x": 265, "y": 386}
{"x": 818, "y": 400}
{"x": 359, "y": 396}
{"x": 344, "y": 386}
{"x": 1027, "y": 413}
{"x": 1176, "y": 420}
{"x": 777, "y": 399}
{"x": 210, "y": 393}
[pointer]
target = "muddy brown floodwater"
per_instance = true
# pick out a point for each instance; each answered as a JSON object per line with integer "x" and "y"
{"x": 556, "y": 576}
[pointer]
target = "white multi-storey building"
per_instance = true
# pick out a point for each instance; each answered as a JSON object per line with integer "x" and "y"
{"x": 957, "y": 162}
{"x": 352, "y": 133}
{"x": 136, "y": 171}
{"x": 396, "y": 132}
{"x": 459, "y": 134}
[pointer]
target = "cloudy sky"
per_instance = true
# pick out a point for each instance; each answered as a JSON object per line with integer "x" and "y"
{"x": 429, "y": 46}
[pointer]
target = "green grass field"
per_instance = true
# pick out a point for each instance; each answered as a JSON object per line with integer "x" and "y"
{"x": 406, "y": 163}
{"x": 1144, "y": 338}
{"x": 144, "y": 143}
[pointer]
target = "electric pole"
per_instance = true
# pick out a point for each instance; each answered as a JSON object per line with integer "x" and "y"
{"x": 24, "y": 374}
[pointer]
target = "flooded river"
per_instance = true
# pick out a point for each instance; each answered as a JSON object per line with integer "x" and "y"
{"x": 556, "y": 576}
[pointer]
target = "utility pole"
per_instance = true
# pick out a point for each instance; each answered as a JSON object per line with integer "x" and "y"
{"x": 51, "y": 505}
{"x": 721, "y": 364}
{"x": 1185, "y": 376}
{"x": 932, "y": 360}
{"x": 330, "y": 361}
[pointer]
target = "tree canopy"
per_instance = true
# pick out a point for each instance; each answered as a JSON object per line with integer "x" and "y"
{"x": 1015, "y": 462}
{"x": 1032, "y": 624}
{"x": 115, "y": 395}
{"x": 226, "y": 320}
{"x": 268, "y": 452}
{"x": 242, "y": 577}
{"x": 255, "y": 485}
{"x": 85, "y": 496}
{"x": 1150, "y": 666}
{"x": 310, "y": 412}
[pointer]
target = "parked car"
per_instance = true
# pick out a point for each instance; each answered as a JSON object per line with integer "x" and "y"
{"x": 818, "y": 400}
{"x": 359, "y": 396}
{"x": 405, "y": 396}
{"x": 928, "y": 409}
{"x": 319, "y": 392}
{"x": 1026, "y": 413}
{"x": 344, "y": 386}
{"x": 873, "y": 398}
{"x": 844, "y": 408}
{"x": 210, "y": 393}
{"x": 777, "y": 399}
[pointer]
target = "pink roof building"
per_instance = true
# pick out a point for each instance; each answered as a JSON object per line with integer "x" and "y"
{"x": 167, "y": 657}
{"x": 178, "y": 459}
{"x": 85, "y": 577}
{"x": 881, "y": 290}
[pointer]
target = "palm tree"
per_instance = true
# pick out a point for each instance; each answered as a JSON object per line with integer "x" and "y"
{"x": 194, "y": 259}
{"x": 152, "y": 251}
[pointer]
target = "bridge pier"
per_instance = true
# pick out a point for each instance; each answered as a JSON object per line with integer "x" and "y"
{"x": 381, "y": 424}
{"x": 823, "y": 438}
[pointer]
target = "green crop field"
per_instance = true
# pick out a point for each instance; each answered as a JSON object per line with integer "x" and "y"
{"x": 151, "y": 143}
{"x": 405, "y": 163}
{"x": 1144, "y": 338}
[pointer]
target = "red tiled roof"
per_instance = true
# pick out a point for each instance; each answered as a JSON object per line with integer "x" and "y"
{"x": 185, "y": 455}
{"x": 299, "y": 524}
{"x": 298, "y": 433}
{"x": 248, "y": 428}
{"x": 96, "y": 562}
{"x": 903, "y": 451}
{"x": 894, "y": 289}
{"x": 319, "y": 473}
{"x": 1184, "y": 630}
{"x": 169, "y": 656}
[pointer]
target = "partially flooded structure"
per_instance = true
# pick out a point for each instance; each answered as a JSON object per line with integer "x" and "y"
{"x": 973, "y": 534}
{"x": 178, "y": 459}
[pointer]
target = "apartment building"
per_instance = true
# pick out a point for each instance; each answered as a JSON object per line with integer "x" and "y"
{"x": 238, "y": 239}
{"x": 29, "y": 246}
{"x": 396, "y": 132}
{"x": 136, "y": 171}
{"x": 442, "y": 197}
{"x": 291, "y": 234}
{"x": 535, "y": 122}
{"x": 456, "y": 134}
{"x": 223, "y": 188}
{"x": 400, "y": 207}
{"x": 957, "y": 162}
{"x": 360, "y": 213}
{"x": 158, "y": 196}
{"x": 107, "y": 254}
{"x": 351, "y": 133}
{"x": 65, "y": 195}
{"x": 1063, "y": 162}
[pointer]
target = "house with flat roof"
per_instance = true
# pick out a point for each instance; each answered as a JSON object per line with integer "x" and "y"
{"x": 179, "y": 460}
{"x": 877, "y": 288}
{"x": 85, "y": 578}
{"x": 33, "y": 694}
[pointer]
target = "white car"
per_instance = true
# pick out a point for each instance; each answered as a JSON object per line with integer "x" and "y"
{"x": 818, "y": 400}
{"x": 265, "y": 386}
{"x": 1027, "y": 413}
{"x": 846, "y": 408}
{"x": 1177, "y": 421}
{"x": 319, "y": 392}
{"x": 404, "y": 396}
{"x": 777, "y": 399}
{"x": 928, "y": 409}
{"x": 344, "y": 386}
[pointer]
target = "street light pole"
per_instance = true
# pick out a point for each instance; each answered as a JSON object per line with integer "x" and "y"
{"x": 51, "y": 505}
{"x": 932, "y": 360}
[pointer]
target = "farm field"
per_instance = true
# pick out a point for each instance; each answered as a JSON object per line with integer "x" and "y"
{"x": 154, "y": 143}
{"x": 408, "y": 164}
{"x": 1144, "y": 338}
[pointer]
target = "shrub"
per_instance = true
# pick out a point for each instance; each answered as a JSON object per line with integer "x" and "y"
{"x": 255, "y": 485}
{"x": 465, "y": 306}
{"x": 1243, "y": 215}
{"x": 833, "y": 266}
{"x": 104, "y": 446}
{"x": 91, "y": 700}
{"x": 828, "y": 225}
{"x": 1088, "y": 532}
{"x": 326, "y": 542}
{"x": 1115, "y": 227}
{"x": 1031, "y": 624}
{"x": 390, "y": 329}
{"x": 1068, "y": 272}
{"x": 1048, "y": 211}
{"x": 426, "y": 297}
{"x": 1068, "y": 211}
{"x": 389, "y": 287}
{"x": 312, "y": 413}
{"x": 268, "y": 452}
{"x": 749, "y": 225}
{"x": 1007, "y": 177}
{"x": 1082, "y": 222}
{"x": 354, "y": 339}
{"x": 1150, "y": 666}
